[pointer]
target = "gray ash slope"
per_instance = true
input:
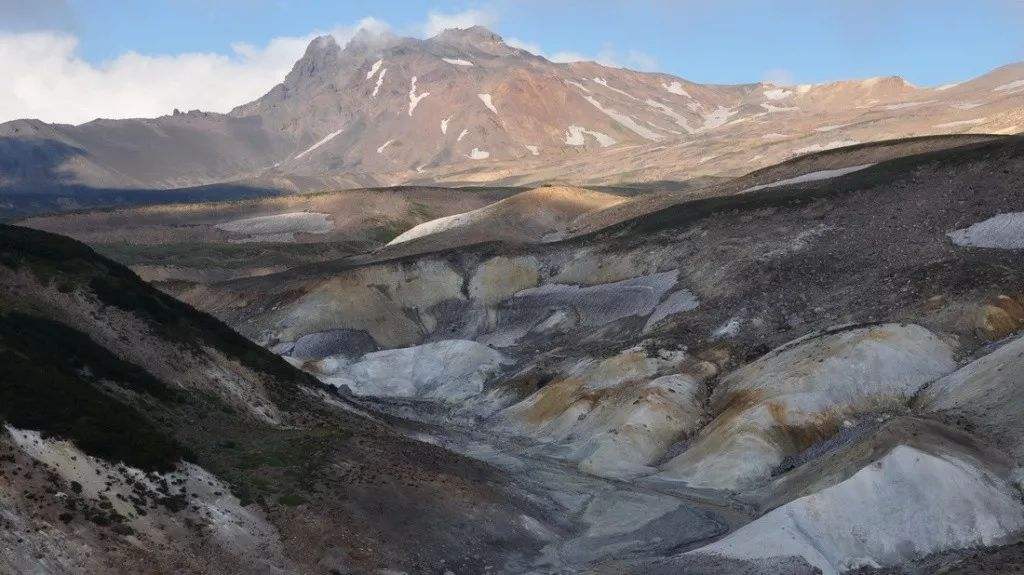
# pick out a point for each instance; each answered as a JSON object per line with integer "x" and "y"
{"x": 817, "y": 370}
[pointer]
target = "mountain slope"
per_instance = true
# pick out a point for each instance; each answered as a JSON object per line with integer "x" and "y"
{"x": 809, "y": 353}
{"x": 142, "y": 436}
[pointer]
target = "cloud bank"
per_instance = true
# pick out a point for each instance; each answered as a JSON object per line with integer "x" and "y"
{"x": 45, "y": 78}
{"x": 607, "y": 56}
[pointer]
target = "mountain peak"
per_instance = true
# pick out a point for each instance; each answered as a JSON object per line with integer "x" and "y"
{"x": 321, "y": 44}
{"x": 474, "y": 38}
{"x": 321, "y": 54}
{"x": 365, "y": 40}
{"x": 473, "y": 33}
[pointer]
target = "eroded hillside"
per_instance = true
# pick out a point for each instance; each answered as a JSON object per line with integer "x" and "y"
{"x": 844, "y": 342}
{"x": 811, "y": 368}
{"x": 141, "y": 436}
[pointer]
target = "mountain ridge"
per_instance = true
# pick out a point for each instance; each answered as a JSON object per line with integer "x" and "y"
{"x": 465, "y": 108}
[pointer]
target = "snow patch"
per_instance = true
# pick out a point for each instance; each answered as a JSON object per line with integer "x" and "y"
{"x": 945, "y": 87}
{"x": 906, "y": 105}
{"x": 966, "y": 105}
{"x": 462, "y": 134}
{"x": 323, "y": 141}
{"x": 718, "y": 118}
{"x": 384, "y": 146}
{"x": 777, "y": 94}
{"x": 680, "y": 120}
{"x": 626, "y": 121}
{"x": 604, "y": 83}
{"x": 374, "y": 68}
{"x": 812, "y": 177}
{"x": 773, "y": 108}
{"x": 287, "y": 223}
{"x": 533, "y": 149}
{"x": 444, "y": 124}
{"x": 486, "y": 99}
{"x": 433, "y": 226}
{"x": 828, "y": 146}
{"x": 380, "y": 81}
{"x": 478, "y": 154}
{"x": 414, "y": 99}
{"x": 973, "y": 122}
{"x": 574, "y": 137}
{"x": 457, "y": 62}
{"x": 578, "y": 85}
{"x": 1011, "y": 86}
{"x": 676, "y": 88}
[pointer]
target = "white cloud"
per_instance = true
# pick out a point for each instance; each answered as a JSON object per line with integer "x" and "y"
{"x": 778, "y": 77}
{"x": 45, "y": 78}
{"x": 608, "y": 56}
{"x": 522, "y": 45}
{"x": 641, "y": 61}
{"x": 565, "y": 57}
{"x": 438, "y": 22}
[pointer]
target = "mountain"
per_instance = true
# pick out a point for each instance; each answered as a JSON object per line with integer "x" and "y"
{"x": 465, "y": 108}
{"x": 814, "y": 371}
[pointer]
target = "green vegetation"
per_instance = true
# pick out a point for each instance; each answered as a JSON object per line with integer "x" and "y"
{"x": 58, "y": 381}
{"x": 387, "y": 229}
{"x": 53, "y": 382}
{"x": 269, "y": 464}
{"x": 70, "y": 264}
{"x": 422, "y": 212}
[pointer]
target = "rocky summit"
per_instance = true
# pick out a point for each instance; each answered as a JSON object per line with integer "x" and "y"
{"x": 443, "y": 306}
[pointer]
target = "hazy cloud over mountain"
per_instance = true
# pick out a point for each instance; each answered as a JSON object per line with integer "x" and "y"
{"x": 47, "y": 78}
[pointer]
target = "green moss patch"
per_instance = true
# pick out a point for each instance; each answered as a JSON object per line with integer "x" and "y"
{"x": 53, "y": 382}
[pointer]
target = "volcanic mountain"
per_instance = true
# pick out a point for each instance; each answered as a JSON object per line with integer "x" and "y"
{"x": 464, "y": 107}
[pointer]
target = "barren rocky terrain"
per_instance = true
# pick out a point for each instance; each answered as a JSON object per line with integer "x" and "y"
{"x": 801, "y": 374}
{"x": 670, "y": 328}
{"x": 811, "y": 369}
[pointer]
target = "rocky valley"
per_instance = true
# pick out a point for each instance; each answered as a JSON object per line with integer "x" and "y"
{"x": 444, "y": 306}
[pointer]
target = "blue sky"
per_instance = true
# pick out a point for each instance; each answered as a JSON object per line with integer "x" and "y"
{"x": 929, "y": 42}
{"x": 717, "y": 41}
